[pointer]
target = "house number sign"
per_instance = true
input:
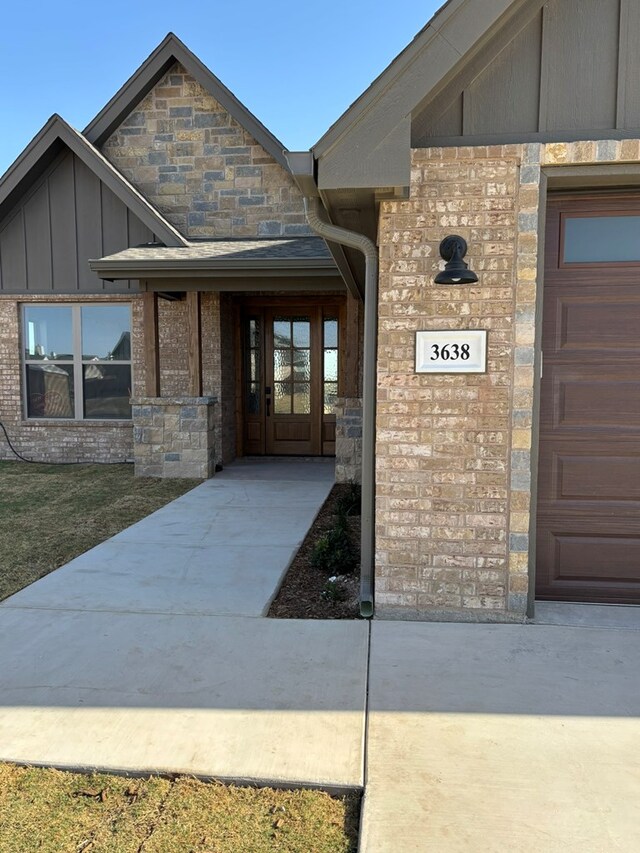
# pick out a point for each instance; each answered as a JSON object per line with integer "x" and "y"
{"x": 451, "y": 352}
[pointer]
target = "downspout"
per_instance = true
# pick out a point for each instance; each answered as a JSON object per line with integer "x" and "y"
{"x": 358, "y": 241}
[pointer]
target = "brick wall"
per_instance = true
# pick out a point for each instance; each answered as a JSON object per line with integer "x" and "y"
{"x": 198, "y": 166}
{"x": 454, "y": 457}
{"x": 443, "y": 441}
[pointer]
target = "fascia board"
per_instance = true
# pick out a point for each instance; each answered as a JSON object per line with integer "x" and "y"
{"x": 169, "y": 51}
{"x": 204, "y": 268}
{"x": 420, "y": 68}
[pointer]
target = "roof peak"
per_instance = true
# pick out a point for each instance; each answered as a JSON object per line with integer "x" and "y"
{"x": 171, "y": 50}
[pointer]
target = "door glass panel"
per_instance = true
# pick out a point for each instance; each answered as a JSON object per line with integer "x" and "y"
{"x": 330, "y": 333}
{"x": 253, "y": 366}
{"x": 330, "y": 394}
{"x": 301, "y": 333}
{"x": 282, "y": 398}
{"x": 292, "y": 365}
{"x": 330, "y": 364}
{"x": 302, "y": 398}
{"x": 281, "y": 365}
{"x": 302, "y": 365}
{"x": 598, "y": 239}
{"x": 282, "y": 333}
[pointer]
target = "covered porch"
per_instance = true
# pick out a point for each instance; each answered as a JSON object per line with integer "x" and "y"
{"x": 247, "y": 347}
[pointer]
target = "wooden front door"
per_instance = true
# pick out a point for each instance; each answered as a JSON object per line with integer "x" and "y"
{"x": 290, "y": 382}
{"x": 588, "y": 543}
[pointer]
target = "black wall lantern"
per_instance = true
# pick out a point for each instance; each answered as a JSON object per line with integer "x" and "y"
{"x": 456, "y": 271}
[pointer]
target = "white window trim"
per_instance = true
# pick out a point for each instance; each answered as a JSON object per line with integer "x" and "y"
{"x": 77, "y": 363}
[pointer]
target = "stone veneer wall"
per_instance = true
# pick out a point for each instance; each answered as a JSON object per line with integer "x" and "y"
{"x": 174, "y": 436}
{"x": 201, "y": 169}
{"x": 348, "y": 439}
{"x": 454, "y": 453}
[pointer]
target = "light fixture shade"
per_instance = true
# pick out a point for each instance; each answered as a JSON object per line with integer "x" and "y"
{"x": 456, "y": 271}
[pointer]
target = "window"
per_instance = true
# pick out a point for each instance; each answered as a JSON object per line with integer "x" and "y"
{"x": 77, "y": 361}
{"x": 601, "y": 239}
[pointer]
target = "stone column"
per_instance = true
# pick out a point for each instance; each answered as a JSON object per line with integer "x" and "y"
{"x": 174, "y": 436}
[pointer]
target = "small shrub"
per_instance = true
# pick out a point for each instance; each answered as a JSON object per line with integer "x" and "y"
{"x": 334, "y": 552}
{"x": 349, "y": 503}
{"x": 333, "y": 590}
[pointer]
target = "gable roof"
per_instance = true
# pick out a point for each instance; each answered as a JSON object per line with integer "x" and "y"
{"x": 361, "y": 149}
{"x": 42, "y": 150}
{"x": 153, "y": 69}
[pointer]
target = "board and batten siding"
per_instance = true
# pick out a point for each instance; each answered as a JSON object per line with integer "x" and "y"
{"x": 66, "y": 218}
{"x": 561, "y": 70}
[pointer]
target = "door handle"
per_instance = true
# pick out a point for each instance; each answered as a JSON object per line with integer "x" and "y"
{"x": 267, "y": 394}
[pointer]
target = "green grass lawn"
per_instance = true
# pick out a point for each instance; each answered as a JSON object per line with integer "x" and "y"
{"x": 54, "y": 812}
{"x": 51, "y": 513}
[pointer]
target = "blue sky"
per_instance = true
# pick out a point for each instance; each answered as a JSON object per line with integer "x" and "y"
{"x": 296, "y": 65}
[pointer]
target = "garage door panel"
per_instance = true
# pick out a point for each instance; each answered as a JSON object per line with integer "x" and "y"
{"x": 591, "y": 397}
{"x": 592, "y": 472}
{"x": 602, "y": 318}
{"x": 588, "y": 511}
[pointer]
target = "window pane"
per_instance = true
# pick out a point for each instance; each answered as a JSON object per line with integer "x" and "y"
{"x": 331, "y": 365}
{"x": 302, "y": 398}
{"x": 106, "y": 332}
{"x": 301, "y": 333}
{"x": 253, "y": 398}
{"x": 50, "y": 391}
{"x": 331, "y": 333}
{"x": 592, "y": 239}
{"x": 302, "y": 365}
{"x": 330, "y": 394}
{"x": 282, "y": 398}
{"x": 281, "y": 364}
{"x": 281, "y": 333}
{"x": 47, "y": 332}
{"x": 107, "y": 389}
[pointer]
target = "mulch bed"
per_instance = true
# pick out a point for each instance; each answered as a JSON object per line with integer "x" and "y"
{"x": 301, "y": 594}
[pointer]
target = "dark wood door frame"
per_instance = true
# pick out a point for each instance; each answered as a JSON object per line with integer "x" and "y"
{"x": 266, "y": 307}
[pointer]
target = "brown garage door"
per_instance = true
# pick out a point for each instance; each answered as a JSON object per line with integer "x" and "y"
{"x": 588, "y": 544}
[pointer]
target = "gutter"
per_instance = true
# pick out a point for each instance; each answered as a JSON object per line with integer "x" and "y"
{"x": 358, "y": 241}
{"x": 301, "y": 165}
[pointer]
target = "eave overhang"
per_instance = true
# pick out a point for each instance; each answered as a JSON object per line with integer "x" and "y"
{"x": 114, "y": 270}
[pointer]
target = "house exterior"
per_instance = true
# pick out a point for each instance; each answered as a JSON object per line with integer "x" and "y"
{"x": 141, "y": 262}
{"x": 514, "y": 124}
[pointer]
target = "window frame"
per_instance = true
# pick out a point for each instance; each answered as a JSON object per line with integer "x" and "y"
{"x": 77, "y": 361}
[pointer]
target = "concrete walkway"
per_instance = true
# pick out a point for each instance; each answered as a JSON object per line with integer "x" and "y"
{"x": 146, "y": 653}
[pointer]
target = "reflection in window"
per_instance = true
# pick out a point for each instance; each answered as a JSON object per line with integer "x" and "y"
{"x": 57, "y": 339}
{"x": 330, "y": 364}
